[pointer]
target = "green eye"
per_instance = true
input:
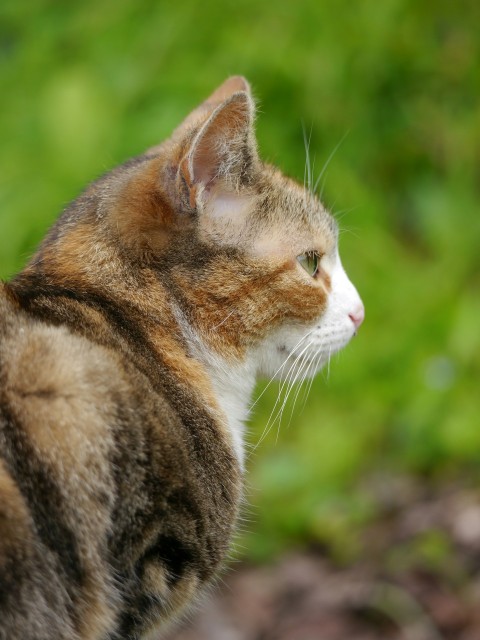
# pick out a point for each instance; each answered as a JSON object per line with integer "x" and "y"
{"x": 309, "y": 261}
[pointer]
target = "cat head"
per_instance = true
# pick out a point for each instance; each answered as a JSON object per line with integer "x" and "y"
{"x": 249, "y": 257}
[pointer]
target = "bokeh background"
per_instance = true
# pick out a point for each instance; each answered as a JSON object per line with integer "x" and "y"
{"x": 388, "y": 95}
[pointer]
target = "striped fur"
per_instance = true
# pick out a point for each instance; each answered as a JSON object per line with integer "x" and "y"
{"x": 120, "y": 453}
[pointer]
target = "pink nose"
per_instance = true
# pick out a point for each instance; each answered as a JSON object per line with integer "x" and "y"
{"x": 358, "y": 315}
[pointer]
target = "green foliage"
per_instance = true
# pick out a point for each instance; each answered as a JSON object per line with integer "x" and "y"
{"x": 86, "y": 85}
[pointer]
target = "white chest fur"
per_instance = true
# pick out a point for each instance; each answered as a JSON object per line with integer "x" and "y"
{"x": 232, "y": 385}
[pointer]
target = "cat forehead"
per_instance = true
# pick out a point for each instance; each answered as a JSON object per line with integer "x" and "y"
{"x": 288, "y": 215}
{"x": 285, "y": 198}
{"x": 277, "y": 218}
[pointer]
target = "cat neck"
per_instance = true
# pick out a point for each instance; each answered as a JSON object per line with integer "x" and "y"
{"x": 232, "y": 383}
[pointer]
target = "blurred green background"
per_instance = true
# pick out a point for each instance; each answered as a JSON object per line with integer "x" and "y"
{"x": 86, "y": 85}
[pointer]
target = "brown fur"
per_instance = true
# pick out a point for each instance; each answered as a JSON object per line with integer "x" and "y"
{"x": 119, "y": 484}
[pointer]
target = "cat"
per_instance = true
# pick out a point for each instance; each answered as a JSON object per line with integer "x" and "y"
{"x": 129, "y": 349}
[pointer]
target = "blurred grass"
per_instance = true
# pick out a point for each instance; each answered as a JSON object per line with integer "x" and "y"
{"x": 86, "y": 85}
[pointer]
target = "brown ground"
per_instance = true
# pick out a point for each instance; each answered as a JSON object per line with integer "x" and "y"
{"x": 418, "y": 579}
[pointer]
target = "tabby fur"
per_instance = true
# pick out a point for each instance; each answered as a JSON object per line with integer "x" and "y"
{"x": 129, "y": 348}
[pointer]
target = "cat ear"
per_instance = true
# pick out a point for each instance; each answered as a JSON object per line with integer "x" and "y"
{"x": 203, "y": 166}
{"x": 221, "y": 157}
{"x": 232, "y": 85}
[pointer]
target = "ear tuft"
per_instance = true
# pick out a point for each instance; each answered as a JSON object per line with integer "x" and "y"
{"x": 223, "y": 152}
{"x": 232, "y": 85}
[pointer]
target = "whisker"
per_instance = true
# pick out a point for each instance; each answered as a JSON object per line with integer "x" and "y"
{"x": 293, "y": 380}
{"x": 286, "y": 381}
{"x": 307, "y": 157}
{"x": 313, "y": 367}
{"x": 345, "y": 230}
{"x": 310, "y": 384}
{"x": 223, "y": 321}
{"x": 329, "y": 159}
{"x": 341, "y": 213}
{"x": 282, "y": 365}
{"x": 288, "y": 378}
{"x": 305, "y": 371}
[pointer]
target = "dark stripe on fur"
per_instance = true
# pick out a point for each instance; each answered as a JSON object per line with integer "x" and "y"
{"x": 184, "y": 537}
{"x": 35, "y": 479}
{"x": 142, "y": 609}
{"x": 126, "y": 323}
{"x": 172, "y": 553}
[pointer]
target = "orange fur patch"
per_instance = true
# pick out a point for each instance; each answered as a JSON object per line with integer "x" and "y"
{"x": 71, "y": 261}
{"x": 234, "y": 309}
{"x": 15, "y": 520}
{"x": 143, "y": 216}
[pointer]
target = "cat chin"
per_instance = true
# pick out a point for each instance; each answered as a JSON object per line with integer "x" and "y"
{"x": 300, "y": 355}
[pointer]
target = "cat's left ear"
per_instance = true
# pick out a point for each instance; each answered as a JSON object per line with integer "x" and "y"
{"x": 221, "y": 158}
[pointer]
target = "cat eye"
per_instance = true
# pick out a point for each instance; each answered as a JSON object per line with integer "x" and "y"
{"x": 309, "y": 261}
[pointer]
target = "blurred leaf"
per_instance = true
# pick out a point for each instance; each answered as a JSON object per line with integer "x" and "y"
{"x": 87, "y": 84}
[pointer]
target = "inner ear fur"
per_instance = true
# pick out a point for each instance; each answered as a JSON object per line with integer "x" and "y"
{"x": 222, "y": 157}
